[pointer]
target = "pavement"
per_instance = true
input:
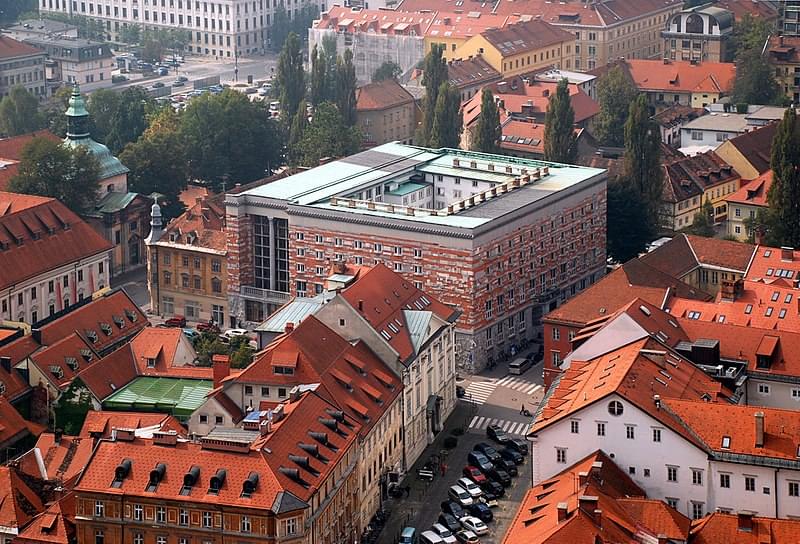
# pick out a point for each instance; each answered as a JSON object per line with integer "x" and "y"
{"x": 135, "y": 284}
{"x": 496, "y": 399}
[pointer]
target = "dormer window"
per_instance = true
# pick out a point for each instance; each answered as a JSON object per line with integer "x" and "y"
{"x": 118, "y": 321}
{"x": 56, "y": 371}
{"x": 286, "y": 370}
{"x": 92, "y": 336}
{"x": 86, "y": 354}
{"x": 151, "y": 362}
{"x": 106, "y": 328}
{"x": 72, "y": 363}
{"x": 726, "y": 442}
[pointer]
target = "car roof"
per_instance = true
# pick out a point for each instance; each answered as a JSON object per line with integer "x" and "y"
{"x": 457, "y": 488}
{"x": 408, "y": 531}
{"x": 439, "y": 527}
{"x": 465, "y": 480}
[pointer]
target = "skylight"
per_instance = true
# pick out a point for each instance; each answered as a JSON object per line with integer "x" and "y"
{"x": 726, "y": 442}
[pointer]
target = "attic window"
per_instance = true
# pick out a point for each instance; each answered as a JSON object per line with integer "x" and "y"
{"x": 782, "y": 313}
{"x": 770, "y": 271}
{"x": 86, "y": 353}
{"x": 106, "y": 328}
{"x": 118, "y": 321}
{"x": 788, "y": 298}
{"x": 286, "y": 370}
{"x": 393, "y": 328}
{"x": 775, "y": 296}
{"x": 121, "y": 472}
{"x": 693, "y": 314}
{"x": 131, "y": 315}
{"x": 726, "y": 442}
{"x": 151, "y": 362}
{"x": 386, "y": 335}
{"x": 645, "y": 310}
{"x": 91, "y": 335}
{"x": 56, "y": 371}
{"x": 71, "y": 362}
{"x": 767, "y": 253}
{"x": 156, "y": 475}
{"x": 768, "y": 312}
{"x": 249, "y": 485}
{"x": 721, "y": 318}
{"x": 748, "y": 309}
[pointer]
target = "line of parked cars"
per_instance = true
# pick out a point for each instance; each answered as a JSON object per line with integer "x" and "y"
{"x": 468, "y": 509}
{"x": 179, "y": 321}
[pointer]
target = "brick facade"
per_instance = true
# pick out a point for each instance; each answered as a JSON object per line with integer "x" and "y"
{"x": 239, "y": 231}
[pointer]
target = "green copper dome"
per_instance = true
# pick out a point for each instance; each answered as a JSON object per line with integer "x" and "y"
{"x": 78, "y": 135}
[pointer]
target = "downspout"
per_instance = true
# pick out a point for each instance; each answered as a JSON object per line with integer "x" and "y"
{"x": 776, "y": 492}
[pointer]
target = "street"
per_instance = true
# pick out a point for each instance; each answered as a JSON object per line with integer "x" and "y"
{"x": 492, "y": 398}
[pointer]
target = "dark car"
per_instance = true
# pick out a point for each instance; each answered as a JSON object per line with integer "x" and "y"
{"x": 158, "y": 85}
{"x": 207, "y": 326}
{"x": 481, "y": 511}
{"x": 449, "y": 521}
{"x": 477, "y": 459}
{"x": 488, "y": 451}
{"x": 493, "y": 488}
{"x": 460, "y": 392}
{"x": 474, "y": 474}
{"x": 496, "y": 433}
{"x": 454, "y": 509}
{"x": 518, "y": 445}
{"x": 499, "y": 475}
{"x": 511, "y": 455}
{"x": 507, "y": 465}
{"x": 176, "y": 321}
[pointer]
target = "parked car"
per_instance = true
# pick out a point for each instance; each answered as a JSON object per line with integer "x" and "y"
{"x": 492, "y": 488}
{"x": 191, "y": 334}
{"x": 481, "y": 511}
{"x": 474, "y": 474}
{"x": 479, "y": 460}
{"x": 176, "y": 321}
{"x": 517, "y": 444}
{"x": 250, "y": 90}
{"x": 460, "y": 495}
{"x": 430, "y": 537}
{"x": 449, "y": 521}
{"x": 496, "y": 433}
{"x": 178, "y": 83}
{"x": 488, "y": 451}
{"x": 511, "y": 455}
{"x": 163, "y": 71}
{"x": 444, "y": 533}
{"x": 207, "y": 326}
{"x": 230, "y": 333}
{"x": 471, "y": 523}
{"x": 507, "y": 465}
{"x": 408, "y": 536}
{"x": 470, "y": 487}
{"x": 263, "y": 91}
{"x": 467, "y": 537}
{"x": 499, "y": 475}
{"x": 454, "y": 509}
{"x": 489, "y": 500}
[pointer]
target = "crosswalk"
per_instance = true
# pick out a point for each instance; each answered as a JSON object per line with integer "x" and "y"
{"x": 480, "y": 423}
{"x": 519, "y": 384}
{"x": 480, "y": 391}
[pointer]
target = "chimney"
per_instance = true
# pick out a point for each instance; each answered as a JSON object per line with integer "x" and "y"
{"x": 124, "y": 435}
{"x": 265, "y": 427}
{"x": 168, "y": 438}
{"x": 5, "y": 362}
{"x": 289, "y": 327}
{"x": 787, "y": 253}
{"x": 360, "y": 305}
{"x": 57, "y": 434}
{"x": 36, "y": 334}
{"x": 745, "y": 521}
{"x": 222, "y": 367}
{"x": 583, "y": 478}
{"x": 780, "y": 40}
{"x": 294, "y": 394}
{"x": 759, "y": 429}
{"x": 587, "y": 503}
{"x": 657, "y": 401}
{"x": 562, "y": 511}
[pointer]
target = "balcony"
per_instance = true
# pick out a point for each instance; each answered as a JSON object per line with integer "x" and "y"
{"x": 264, "y": 295}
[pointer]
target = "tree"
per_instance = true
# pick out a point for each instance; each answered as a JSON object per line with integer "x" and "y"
{"x": 755, "y": 81}
{"x": 615, "y": 92}
{"x": 346, "y": 87}
{"x": 319, "y": 73}
{"x": 783, "y": 223}
{"x": 103, "y": 105}
{"x": 296, "y": 132}
{"x": 19, "y": 113}
{"x": 560, "y": 144}
{"x": 291, "y": 79}
{"x": 329, "y": 51}
{"x": 157, "y": 161}
{"x": 130, "y": 34}
{"x": 129, "y": 121}
{"x": 642, "y": 162}
{"x": 703, "y": 221}
{"x": 447, "y": 121}
{"x": 13, "y": 9}
{"x": 281, "y": 25}
{"x": 749, "y": 33}
{"x": 327, "y": 136}
{"x": 627, "y": 213}
{"x": 387, "y": 70}
{"x": 48, "y": 168}
{"x": 486, "y": 137}
{"x": 435, "y": 73}
{"x": 229, "y": 139}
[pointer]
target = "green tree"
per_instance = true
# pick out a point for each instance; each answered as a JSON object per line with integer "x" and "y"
{"x": 279, "y": 31}
{"x": 703, "y": 220}
{"x": 435, "y": 73}
{"x": 291, "y": 78}
{"x": 130, "y": 34}
{"x": 229, "y": 139}
{"x": 206, "y": 346}
{"x": 319, "y": 73}
{"x": 329, "y": 51}
{"x": 241, "y": 354}
{"x": 615, "y": 92}
{"x": 346, "y": 87}
{"x": 755, "y": 81}
{"x": 560, "y": 144}
{"x": 625, "y": 237}
{"x": 447, "y": 120}
{"x": 327, "y": 136}
{"x": 642, "y": 161}
{"x": 48, "y": 168}
{"x": 299, "y": 125}
{"x": 783, "y": 218}
{"x": 486, "y": 137}
{"x": 54, "y": 110}
{"x": 103, "y": 105}
{"x": 12, "y": 10}
{"x": 72, "y": 406}
{"x": 749, "y": 33}
{"x": 387, "y": 70}
{"x": 19, "y": 113}
{"x": 129, "y": 121}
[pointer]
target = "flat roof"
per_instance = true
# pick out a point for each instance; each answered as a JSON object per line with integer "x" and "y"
{"x": 406, "y": 188}
{"x": 330, "y": 186}
{"x": 177, "y": 396}
{"x": 726, "y": 122}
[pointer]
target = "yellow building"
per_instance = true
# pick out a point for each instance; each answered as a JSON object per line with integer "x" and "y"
{"x": 522, "y": 47}
{"x": 453, "y": 30}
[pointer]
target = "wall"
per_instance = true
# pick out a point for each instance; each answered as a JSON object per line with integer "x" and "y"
{"x": 27, "y": 71}
{"x": 710, "y": 137}
{"x": 388, "y": 125}
{"x": 778, "y": 394}
{"x": 737, "y": 220}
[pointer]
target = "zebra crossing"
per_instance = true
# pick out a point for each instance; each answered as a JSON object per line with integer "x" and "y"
{"x": 519, "y": 384}
{"x": 480, "y": 391}
{"x": 480, "y": 423}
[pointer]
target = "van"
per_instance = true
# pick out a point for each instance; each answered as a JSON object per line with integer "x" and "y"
{"x": 429, "y": 537}
{"x": 459, "y": 495}
{"x": 408, "y": 536}
{"x": 519, "y": 366}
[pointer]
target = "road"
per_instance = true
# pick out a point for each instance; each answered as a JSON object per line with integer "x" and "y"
{"x": 493, "y": 397}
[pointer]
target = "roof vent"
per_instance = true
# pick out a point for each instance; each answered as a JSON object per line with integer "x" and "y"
{"x": 131, "y": 315}
{"x": 338, "y": 415}
{"x": 106, "y": 328}
{"x": 302, "y": 461}
{"x": 313, "y": 450}
{"x": 121, "y": 472}
{"x": 217, "y": 481}
{"x": 156, "y": 475}
{"x": 118, "y": 321}
{"x": 322, "y": 438}
{"x": 190, "y": 479}
{"x": 293, "y": 474}
{"x": 249, "y": 485}
{"x": 165, "y": 438}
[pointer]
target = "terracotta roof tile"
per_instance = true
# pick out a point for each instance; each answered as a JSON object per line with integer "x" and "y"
{"x": 18, "y": 503}
{"x": 345, "y": 19}
{"x": 381, "y": 96}
{"x": 16, "y": 350}
{"x": 454, "y": 25}
{"x": 61, "y": 361}
{"x": 469, "y": 72}
{"x": 657, "y": 517}
{"x": 719, "y": 528}
{"x": 685, "y": 252}
{"x": 610, "y": 12}
{"x": 768, "y": 261}
{"x": 202, "y": 225}
{"x": 688, "y": 177}
{"x": 754, "y": 192}
{"x": 99, "y": 424}
{"x": 63, "y": 460}
{"x": 13, "y": 426}
{"x": 682, "y": 76}
{"x": 756, "y": 146}
{"x": 11, "y": 48}
{"x": 523, "y": 36}
{"x": 166, "y": 346}
{"x": 115, "y": 370}
{"x": 56, "y": 525}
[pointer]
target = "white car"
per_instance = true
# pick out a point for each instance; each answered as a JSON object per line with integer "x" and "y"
{"x": 444, "y": 533}
{"x": 471, "y": 523}
{"x": 460, "y": 495}
{"x": 230, "y": 333}
{"x": 471, "y": 487}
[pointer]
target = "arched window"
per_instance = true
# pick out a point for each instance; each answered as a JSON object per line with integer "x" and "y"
{"x": 110, "y": 188}
{"x": 694, "y": 24}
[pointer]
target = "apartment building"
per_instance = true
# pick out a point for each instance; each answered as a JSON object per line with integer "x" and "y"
{"x": 22, "y": 65}
{"x": 76, "y": 60}
{"x": 292, "y": 480}
{"x": 701, "y": 33}
{"x": 221, "y": 28}
{"x": 471, "y": 75}
{"x": 783, "y": 54}
{"x": 749, "y": 153}
{"x": 502, "y": 239}
{"x": 604, "y": 30}
{"x": 788, "y": 17}
{"x": 745, "y": 204}
{"x": 386, "y": 112}
{"x": 186, "y": 262}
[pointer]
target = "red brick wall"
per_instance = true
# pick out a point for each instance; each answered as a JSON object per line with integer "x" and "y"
{"x": 562, "y": 345}
{"x": 239, "y": 233}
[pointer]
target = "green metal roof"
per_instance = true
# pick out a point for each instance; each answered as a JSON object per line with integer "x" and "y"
{"x": 177, "y": 396}
{"x": 110, "y": 166}
{"x": 407, "y": 188}
{"x": 114, "y": 202}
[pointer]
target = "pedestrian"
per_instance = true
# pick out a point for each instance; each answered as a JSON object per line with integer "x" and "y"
{"x": 522, "y": 410}
{"x": 443, "y": 468}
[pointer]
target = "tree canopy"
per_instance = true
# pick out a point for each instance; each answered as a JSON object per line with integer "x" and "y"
{"x": 19, "y": 113}
{"x": 129, "y": 120}
{"x": 783, "y": 217}
{"x": 615, "y": 92}
{"x": 755, "y": 81}
{"x": 283, "y": 26}
{"x": 625, "y": 207}
{"x": 560, "y": 144}
{"x": 703, "y": 220}
{"x": 103, "y": 105}
{"x": 327, "y": 136}
{"x": 387, "y": 70}
{"x": 346, "y": 87}
{"x": 291, "y": 79}
{"x": 447, "y": 120}
{"x": 435, "y": 73}
{"x": 487, "y": 133}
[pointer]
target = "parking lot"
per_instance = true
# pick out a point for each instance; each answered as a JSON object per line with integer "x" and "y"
{"x": 422, "y": 506}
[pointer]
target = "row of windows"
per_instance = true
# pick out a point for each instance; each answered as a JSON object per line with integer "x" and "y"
{"x": 216, "y": 264}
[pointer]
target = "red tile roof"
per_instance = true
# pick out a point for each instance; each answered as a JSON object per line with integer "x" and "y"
{"x": 13, "y": 426}
{"x": 351, "y": 21}
{"x": 99, "y": 424}
{"x": 56, "y": 525}
{"x": 11, "y": 48}
{"x": 679, "y": 76}
{"x": 594, "y": 487}
{"x": 686, "y": 252}
{"x": 719, "y": 528}
{"x": 454, "y": 25}
{"x": 40, "y": 234}
{"x": 740, "y": 8}
{"x": 524, "y": 36}
{"x": 166, "y": 345}
{"x": 754, "y": 192}
{"x": 770, "y": 263}
{"x": 689, "y": 177}
{"x": 784, "y": 49}
{"x": 63, "y": 460}
{"x": 464, "y": 73}
{"x": 115, "y": 370}
{"x": 756, "y": 146}
{"x": 60, "y": 362}
{"x": 598, "y": 14}
{"x": 381, "y": 96}
{"x": 18, "y": 503}
{"x": 202, "y": 225}
{"x": 450, "y": 6}
{"x": 711, "y": 421}
{"x": 15, "y": 384}
{"x": 11, "y": 153}
{"x": 381, "y": 297}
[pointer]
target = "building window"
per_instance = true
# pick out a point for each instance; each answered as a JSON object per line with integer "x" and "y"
{"x": 750, "y": 483}
{"x": 216, "y": 285}
{"x": 656, "y": 435}
{"x": 630, "y": 432}
{"x": 615, "y": 408}
{"x": 698, "y": 510}
{"x": 556, "y": 333}
{"x": 206, "y": 519}
{"x": 763, "y": 389}
{"x": 99, "y": 537}
{"x": 138, "y": 512}
{"x": 244, "y": 524}
{"x": 248, "y": 389}
{"x": 290, "y": 526}
{"x": 561, "y": 455}
{"x": 161, "y": 539}
{"x": 138, "y": 538}
{"x": 601, "y": 428}
{"x": 794, "y": 489}
{"x": 672, "y": 474}
{"x": 697, "y": 477}
{"x": 99, "y": 509}
{"x": 672, "y": 502}
{"x": 216, "y": 265}
{"x": 725, "y": 480}
{"x": 574, "y": 427}
{"x": 183, "y": 517}
{"x": 161, "y": 514}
